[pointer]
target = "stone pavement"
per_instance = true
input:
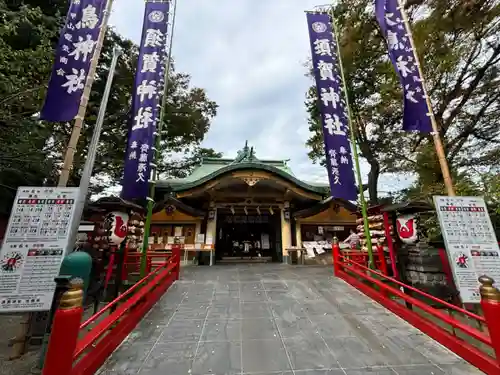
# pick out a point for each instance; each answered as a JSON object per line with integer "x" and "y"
{"x": 275, "y": 319}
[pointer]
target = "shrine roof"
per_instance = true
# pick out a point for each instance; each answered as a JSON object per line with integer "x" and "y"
{"x": 211, "y": 168}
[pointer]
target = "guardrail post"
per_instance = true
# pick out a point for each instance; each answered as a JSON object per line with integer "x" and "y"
{"x": 336, "y": 256}
{"x": 124, "y": 274}
{"x": 176, "y": 257}
{"x": 65, "y": 330}
{"x": 381, "y": 257}
{"x": 490, "y": 303}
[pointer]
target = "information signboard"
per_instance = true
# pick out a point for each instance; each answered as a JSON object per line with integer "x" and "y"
{"x": 470, "y": 242}
{"x": 33, "y": 248}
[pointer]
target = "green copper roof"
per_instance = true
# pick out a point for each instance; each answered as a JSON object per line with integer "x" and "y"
{"x": 245, "y": 159}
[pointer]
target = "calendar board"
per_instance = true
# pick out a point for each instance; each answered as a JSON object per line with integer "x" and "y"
{"x": 470, "y": 242}
{"x": 33, "y": 249}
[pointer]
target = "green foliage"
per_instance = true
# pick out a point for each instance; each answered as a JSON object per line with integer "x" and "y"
{"x": 32, "y": 150}
{"x": 183, "y": 167}
{"x": 459, "y": 46}
{"x": 487, "y": 186}
{"x": 26, "y": 38}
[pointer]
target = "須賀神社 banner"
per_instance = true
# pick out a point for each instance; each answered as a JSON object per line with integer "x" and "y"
{"x": 333, "y": 107}
{"x": 149, "y": 83}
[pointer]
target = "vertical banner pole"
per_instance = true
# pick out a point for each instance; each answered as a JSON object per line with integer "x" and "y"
{"x": 352, "y": 136}
{"x": 154, "y": 177}
{"x": 78, "y": 125}
{"x": 438, "y": 143}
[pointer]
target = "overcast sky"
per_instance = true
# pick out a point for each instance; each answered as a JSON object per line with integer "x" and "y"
{"x": 249, "y": 56}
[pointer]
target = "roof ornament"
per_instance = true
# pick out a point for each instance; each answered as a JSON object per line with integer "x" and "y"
{"x": 245, "y": 155}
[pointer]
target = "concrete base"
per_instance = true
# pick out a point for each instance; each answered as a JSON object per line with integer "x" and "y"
{"x": 286, "y": 259}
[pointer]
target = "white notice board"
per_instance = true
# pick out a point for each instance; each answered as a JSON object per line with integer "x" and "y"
{"x": 33, "y": 248}
{"x": 470, "y": 241}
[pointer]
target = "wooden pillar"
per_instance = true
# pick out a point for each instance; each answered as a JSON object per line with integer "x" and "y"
{"x": 298, "y": 234}
{"x": 286, "y": 236}
{"x": 210, "y": 233}
{"x": 212, "y": 224}
{"x": 336, "y": 257}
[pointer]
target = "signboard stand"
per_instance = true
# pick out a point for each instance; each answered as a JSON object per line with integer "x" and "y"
{"x": 470, "y": 241}
{"x": 34, "y": 247}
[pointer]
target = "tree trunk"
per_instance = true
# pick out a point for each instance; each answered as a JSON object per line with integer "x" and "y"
{"x": 373, "y": 177}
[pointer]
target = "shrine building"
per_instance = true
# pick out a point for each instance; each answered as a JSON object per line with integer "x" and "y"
{"x": 246, "y": 208}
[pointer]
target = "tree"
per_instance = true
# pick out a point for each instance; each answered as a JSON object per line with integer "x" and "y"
{"x": 186, "y": 119}
{"x": 460, "y": 49}
{"x": 180, "y": 168}
{"x": 29, "y": 32}
{"x": 26, "y": 54}
{"x": 487, "y": 186}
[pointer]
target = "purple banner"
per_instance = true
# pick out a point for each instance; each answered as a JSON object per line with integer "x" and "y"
{"x": 334, "y": 118}
{"x": 74, "y": 52}
{"x": 416, "y": 113}
{"x": 149, "y": 82}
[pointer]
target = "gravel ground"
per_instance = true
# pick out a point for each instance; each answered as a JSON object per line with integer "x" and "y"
{"x": 9, "y": 327}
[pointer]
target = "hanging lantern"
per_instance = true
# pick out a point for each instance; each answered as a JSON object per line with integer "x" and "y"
{"x": 406, "y": 226}
{"x": 119, "y": 231}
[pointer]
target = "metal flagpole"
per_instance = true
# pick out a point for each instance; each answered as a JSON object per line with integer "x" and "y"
{"x": 91, "y": 155}
{"x": 438, "y": 144}
{"x": 352, "y": 136}
{"x": 78, "y": 125}
{"x": 151, "y": 198}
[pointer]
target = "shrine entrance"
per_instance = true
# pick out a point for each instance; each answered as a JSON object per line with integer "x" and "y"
{"x": 248, "y": 238}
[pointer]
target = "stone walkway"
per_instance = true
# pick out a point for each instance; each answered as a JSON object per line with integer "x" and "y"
{"x": 275, "y": 319}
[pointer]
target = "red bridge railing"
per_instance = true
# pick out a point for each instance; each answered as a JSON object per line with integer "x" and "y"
{"x": 480, "y": 347}
{"x": 73, "y": 351}
{"x": 132, "y": 263}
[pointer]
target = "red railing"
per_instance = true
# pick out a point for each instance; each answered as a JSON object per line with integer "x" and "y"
{"x": 387, "y": 291}
{"x": 69, "y": 355}
{"x": 132, "y": 262}
{"x": 362, "y": 257}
